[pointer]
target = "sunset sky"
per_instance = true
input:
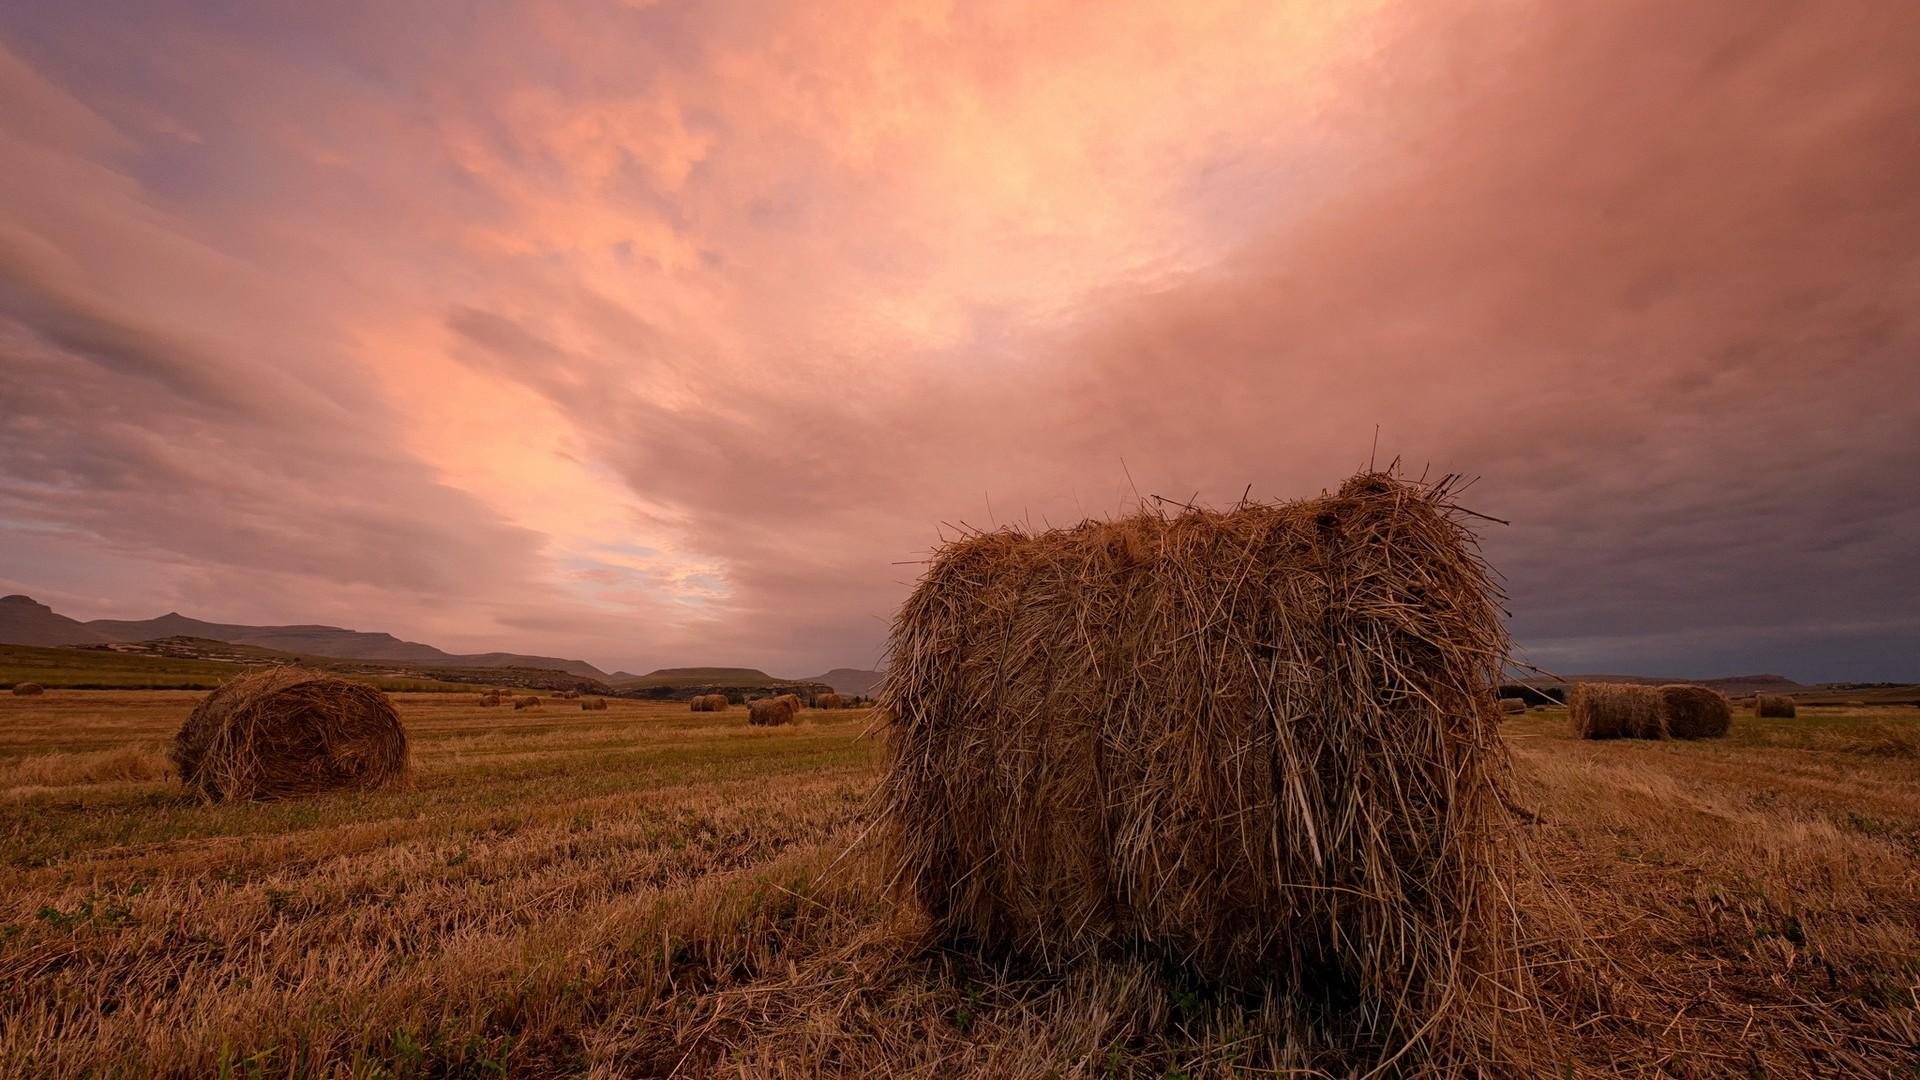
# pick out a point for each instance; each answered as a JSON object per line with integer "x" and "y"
{"x": 672, "y": 333}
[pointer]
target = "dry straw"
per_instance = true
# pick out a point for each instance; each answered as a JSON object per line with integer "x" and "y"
{"x": 1695, "y": 712}
{"x": 828, "y": 701}
{"x": 771, "y": 711}
{"x": 1260, "y": 744}
{"x": 1616, "y": 711}
{"x": 28, "y": 689}
{"x": 1773, "y": 705}
{"x": 708, "y": 703}
{"x": 794, "y": 700}
{"x": 284, "y": 731}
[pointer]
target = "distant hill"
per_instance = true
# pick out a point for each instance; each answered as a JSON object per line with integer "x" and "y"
{"x": 1733, "y": 684}
{"x": 846, "y": 680}
{"x": 678, "y": 677}
{"x": 25, "y": 621}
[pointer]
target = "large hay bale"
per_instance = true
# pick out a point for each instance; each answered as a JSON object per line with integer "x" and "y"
{"x": 709, "y": 703}
{"x": 1695, "y": 712}
{"x": 285, "y": 731}
{"x": 1773, "y": 705}
{"x": 827, "y": 701}
{"x": 528, "y": 702}
{"x": 28, "y": 689}
{"x": 598, "y": 704}
{"x": 770, "y": 711}
{"x": 794, "y": 700}
{"x": 1617, "y": 711}
{"x": 1512, "y": 705}
{"x": 1259, "y": 743}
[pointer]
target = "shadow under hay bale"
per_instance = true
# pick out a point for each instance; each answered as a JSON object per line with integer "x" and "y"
{"x": 1695, "y": 712}
{"x": 285, "y": 732}
{"x": 1513, "y": 705}
{"x": 28, "y": 689}
{"x": 1256, "y": 744}
{"x": 767, "y": 712}
{"x": 1616, "y": 711}
{"x": 827, "y": 701}
{"x": 1774, "y": 705}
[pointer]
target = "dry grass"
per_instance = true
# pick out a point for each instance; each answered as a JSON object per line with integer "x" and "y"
{"x": 645, "y": 892}
{"x": 1256, "y": 745}
{"x": 1617, "y": 711}
{"x": 283, "y": 732}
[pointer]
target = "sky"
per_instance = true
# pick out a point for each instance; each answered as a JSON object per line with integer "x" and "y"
{"x": 660, "y": 334}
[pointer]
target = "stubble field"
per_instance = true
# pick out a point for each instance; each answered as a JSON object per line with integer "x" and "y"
{"x": 647, "y": 891}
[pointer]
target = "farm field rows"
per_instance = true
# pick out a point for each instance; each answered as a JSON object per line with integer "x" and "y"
{"x": 647, "y": 891}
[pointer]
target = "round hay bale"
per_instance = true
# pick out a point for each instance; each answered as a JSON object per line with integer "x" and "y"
{"x": 489, "y": 700}
{"x": 28, "y": 689}
{"x": 1617, "y": 711}
{"x": 1695, "y": 712}
{"x": 766, "y": 712}
{"x": 1774, "y": 705}
{"x": 708, "y": 703}
{"x": 593, "y": 704}
{"x": 284, "y": 732}
{"x": 1512, "y": 705}
{"x": 528, "y": 702}
{"x": 1257, "y": 744}
{"x": 827, "y": 701}
{"x": 794, "y": 700}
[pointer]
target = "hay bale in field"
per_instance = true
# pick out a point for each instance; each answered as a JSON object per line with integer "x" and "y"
{"x": 771, "y": 711}
{"x": 708, "y": 703}
{"x": 1511, "y": 705}
{"x": 528, "y": 702}
{"x": 1695, "y": 712}
{"x": 598, "y": 704}
{"x": 569, "y": 695}
{"x": 1617, "y": 711}
{"x": 284, "y": 731}
{"x": 794, "y": 700}
{"x": 28, "y": 689}
{"x": 1773, "y": 705}
{"x": 489, "y": 700}
{"x": 1260, "y": 743}
{"x": 827, "y": 701}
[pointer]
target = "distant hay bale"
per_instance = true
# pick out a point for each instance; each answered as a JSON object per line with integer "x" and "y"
{"x": 827, "y": 701}
{"x": 1616, "y": 711}
{"x": 767, "y": 712}
{"x": 598, "y": 704}
{"x": 1512, "y": 705}
{"x": 709, "y": 703}
{"x": 1695, "y": 712}
{"x": 1256, "y": 744}
{"x": 1774, "y": 705}
{"x": 489, "y": 699}
{"x": 528, "y": 702}
{"x": 569, "y": 695}
{"x": 28, "y": 689}
{"x": 284, "y": 732}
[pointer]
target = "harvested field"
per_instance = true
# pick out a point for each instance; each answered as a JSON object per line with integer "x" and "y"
{"x": 646, "y": 891}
